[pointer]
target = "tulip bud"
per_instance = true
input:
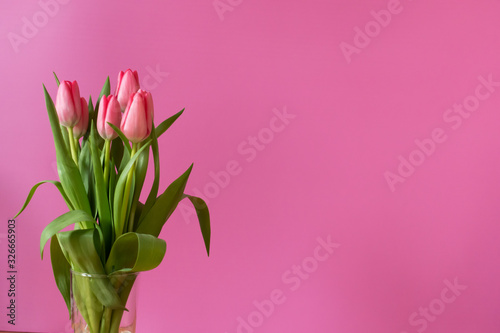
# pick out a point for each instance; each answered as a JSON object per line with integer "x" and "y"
{"x": 109, "y": 112}
{"x": 81, "y": 127}
{"x": 68, "y": 104}
{"x": 128, "y": 83}
{"x": 137, "y": 120}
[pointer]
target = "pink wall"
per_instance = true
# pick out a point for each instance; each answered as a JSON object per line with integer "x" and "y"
{"x": 390, "y": 153}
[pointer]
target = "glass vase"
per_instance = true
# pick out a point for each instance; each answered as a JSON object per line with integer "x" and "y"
{"x": 94, "y": 300}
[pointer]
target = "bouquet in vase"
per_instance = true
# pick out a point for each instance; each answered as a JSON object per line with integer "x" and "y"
{"x": 103, "y": 152}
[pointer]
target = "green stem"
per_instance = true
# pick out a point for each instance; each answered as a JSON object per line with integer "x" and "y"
{"x": 72, "y": 144}
{"x": 106, "y": 320}
{"x": 78, "y": 149}
{"x": 131, "y": 221}
{"x": 132, "y": 218}
{"x": 126, "y": 194}
{"x": 107, "y": 148}
{"x": 123, "y": 285}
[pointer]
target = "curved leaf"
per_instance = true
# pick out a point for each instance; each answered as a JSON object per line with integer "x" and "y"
{"x": 203, "y": 217}
{"x": 134, "y": 252}
{"x": 167, "y": 123}
{"x": 34, "y": 188}
{"x": 156, "y": 182}
{"x": 62, "y": 222}
{"x": 155, "y": 134}
{"x": 164, "y": 206}
{"x": 57, "y": 79}
{"x": 122, "y": 136}
{"x": 80, "y": 247}
{"x": 61, "y": 268}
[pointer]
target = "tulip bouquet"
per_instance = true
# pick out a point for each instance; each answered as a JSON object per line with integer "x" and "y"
{"x": 102, "y": 160}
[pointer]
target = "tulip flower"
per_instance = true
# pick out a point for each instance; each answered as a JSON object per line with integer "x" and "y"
{"x": 128, "y": 83}
{"x": 81, "y": 127}
{"x": 68, "y": 104}
{"x": 137, "y": 120}
{"x": 137, "y": 123}
{"x": 109, "y": 112}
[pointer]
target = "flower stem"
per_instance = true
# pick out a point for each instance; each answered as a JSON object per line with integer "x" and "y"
{"x": 126, "y": 194}
{"x": 106, "y": 320}
{"x": 132, "y": 218}
{"x": 133, "y": 208}
{"x": 72, "y": 145}
{"x": 107, "y": 148}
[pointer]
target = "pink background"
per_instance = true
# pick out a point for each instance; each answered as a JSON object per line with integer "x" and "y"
{"x": 323, "y": 174}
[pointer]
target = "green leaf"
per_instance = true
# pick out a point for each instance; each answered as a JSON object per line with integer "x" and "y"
{"x": 61, "y": 268}
{"x": 62, "y": 222}
{"x": 164, "y": 206}
{"x": 69, "y": 175}
{"x": 80, "y": 246}
{"x": 117, "y": 151}
{"x": 141, "y": 169}
{"x": 134, "y": 252}
{"x": 85, "y": 166}
{"x": 103, "y": 209}
{"x": 155, "y": 133}
{"x": 91, "y": 109}
{"x": 120, "y": 187}
{"x": 34, "y": 188}
{"x": 105, "y": 91}
{"x": 112, "y": 187}
{"x": 57, "y": 79}
{"x": 167, "y": 123}
{"x": 65, "y": 136}
{"x": 91, "y": 118}
{"x": 138, "y": 210}
{"x": 124, "y": 161}
{"x": 153, "y": 193}
{"x": 203, "y": 217}
{"x": 122, "y": 136}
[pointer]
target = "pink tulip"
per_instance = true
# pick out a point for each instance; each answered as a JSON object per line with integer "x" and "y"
{"x": 128, "y": 83}
{"x": 81, "y": 127}
{"x": 137, "y": 121}
{"x": 68, "y": 104}
{"x": 109, "y": 112}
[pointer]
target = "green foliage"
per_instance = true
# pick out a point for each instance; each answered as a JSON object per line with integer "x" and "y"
{"x": 203, "y": 217}
{"x": 113, "y": 232}
{"x": 133, "y": 252}
{"x": 61, "y": 269}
